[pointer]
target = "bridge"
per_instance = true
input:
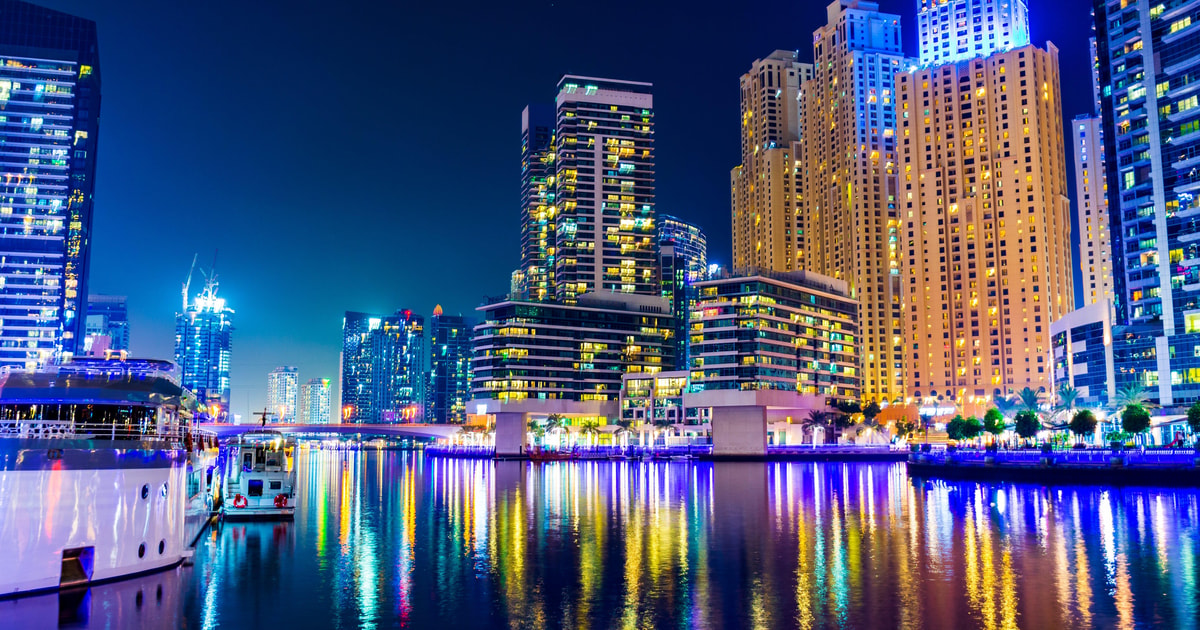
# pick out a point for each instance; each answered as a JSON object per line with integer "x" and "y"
{"x": 387, "y": 430}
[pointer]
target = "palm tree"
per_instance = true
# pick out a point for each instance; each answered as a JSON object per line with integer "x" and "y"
{"x": 590, "y": 428}
{"x": 663, "y": 425}
{"x": 1132, "y": 394}
{"x": 816, "y": 418}
{"x": 1030, "y": 400}
{"x": 1067, "y": 396}
{"x": 538, "y": 430}
{"x": 1006, "y": 406}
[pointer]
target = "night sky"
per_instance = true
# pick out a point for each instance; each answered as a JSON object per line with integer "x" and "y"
{"x": 359, "y": 155}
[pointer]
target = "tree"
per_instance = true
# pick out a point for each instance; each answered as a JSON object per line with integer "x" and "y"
{"x": 955, "y": 429}
{"x": 590, "y": 428}
{"x": 993, "y": 421}
{"x": 905, "y": 428}
{"x": 1132, "y": 394}
{"x": 1029, "y": 399}
{"x": 1193, "y": 419}
{"x": 843, "y": 421}
{"x": 1067, "y": 396}
{"x": 1083, "y": 423}
{"x": 537, "y": 429}
{"x": 1006, "y": 406}
{"x": 1135, "y": 419}
{"x": 1027, "y": 424}
{"x": 972, "y": 428}
{"x": 871, "y": 411}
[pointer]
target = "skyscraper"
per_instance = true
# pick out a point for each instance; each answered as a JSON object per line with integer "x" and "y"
{"x": 203, "y": 348}
{"x": 986, "y": 232}
{"x": 848, "y": 216}
{"x": 383, "y": 367}
{"x": 107, "y": 317}
{"x": 604, "y": 188}
{"x": 449, "y": 367}
{"x": 763, "y": 186}
{"x": 956, "y": 30}
{"x": 283, "y": 392}
{"x": 682, "y": 262}
{"x": 539, "y": 213}
{"x": 49, "y": 122}
{"x": 1091, "y": 203}
{"x": 315, "y": 400}
{"x": 1151, "y": 116}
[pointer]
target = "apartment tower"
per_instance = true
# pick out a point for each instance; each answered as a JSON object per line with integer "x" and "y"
{"x": 763, "y": 186}
{"x": 847, "y": 176}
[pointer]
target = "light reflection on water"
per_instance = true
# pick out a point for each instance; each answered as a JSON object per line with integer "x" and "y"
{"x": 390, "y": 539}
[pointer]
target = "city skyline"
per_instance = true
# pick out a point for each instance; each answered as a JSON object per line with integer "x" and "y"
{"x": 267, "y": 334}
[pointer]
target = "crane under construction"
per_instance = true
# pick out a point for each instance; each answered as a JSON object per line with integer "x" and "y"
{"x": 203, "y": 332}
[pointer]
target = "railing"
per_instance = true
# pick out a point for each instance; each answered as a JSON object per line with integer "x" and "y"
{"x": 1091, "y": 457}
{"x": 67, "y": 429}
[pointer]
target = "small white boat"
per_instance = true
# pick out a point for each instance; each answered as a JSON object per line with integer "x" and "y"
{"x": 259, "y": 476}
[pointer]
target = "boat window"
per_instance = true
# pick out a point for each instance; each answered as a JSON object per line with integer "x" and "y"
{"x": 116, "y": 422}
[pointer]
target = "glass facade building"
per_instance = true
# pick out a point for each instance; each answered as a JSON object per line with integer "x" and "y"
{"x": 203, "y": 350}
{"x": 1148, "y": 67}
{"x": 535, "y": 279}
{"x": 795, "y": 331}
{"x": 383, "y": 367}
{"x": 49, "y": 123}
{"x": 315, "y": 402}
{"x": 531, "y": 351}
{"x": 108, "y": 318}
{"x": 449, "y": 367}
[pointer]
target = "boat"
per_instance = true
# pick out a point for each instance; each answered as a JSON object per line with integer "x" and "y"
{"x": 94, "y": 482}
{"x": 259, "y": 477}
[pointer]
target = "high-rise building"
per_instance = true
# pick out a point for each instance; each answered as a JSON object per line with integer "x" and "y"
{"x": 956, "y": 30}
{"x": 763, "y": 186}
{"x": 1151, "y": 117}
{"x": 605, "y": 233}
{"x": 49, "y": 123}
{"x": 848, "y": 218}
{"x": 449, "y": 367}
{"x": 1091, "y": 203}
{"x": 1082, "y": 342}
{"x": 315, "y": 401}
{"x": 383, "y": 367}
{"x": 106, "y": 324}
{"x": 795, "y": 332}
{"x": 530, "y": 351}
{"x": 690, "y": 242}
{"x": 203, "y": 348}
{"x": 987, "y": 225}
{"x": 538, "y": 211}
{"x": 283, "y": 393}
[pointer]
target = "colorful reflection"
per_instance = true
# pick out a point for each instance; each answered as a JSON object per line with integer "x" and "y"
{"x": 393, "y": 539}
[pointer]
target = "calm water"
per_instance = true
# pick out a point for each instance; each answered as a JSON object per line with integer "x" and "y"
{"x": 392, "y": 539}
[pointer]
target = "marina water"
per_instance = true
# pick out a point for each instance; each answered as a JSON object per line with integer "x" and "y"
{"x": 390, "y": 538}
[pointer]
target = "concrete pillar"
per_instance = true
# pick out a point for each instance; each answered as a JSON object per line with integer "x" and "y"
{"x": 511, "y": 429}
{"x": 739, "y": 431}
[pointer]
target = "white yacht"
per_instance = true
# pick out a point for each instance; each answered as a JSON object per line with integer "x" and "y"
{"x": 259, "y": 476}
{"x": 94, "y": 458}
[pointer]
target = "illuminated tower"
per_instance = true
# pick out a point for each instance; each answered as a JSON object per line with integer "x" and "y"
{"x": 203, "y": 348}
{"x": 762, "y": 187}
{"x": 955, "y": 30}
{"x": 1147, "y": 54}
{"x": 283, "y": 391}
{"x": 449, "y": 367}
{"x": 49, "y": 118}
{"x": 1091, "y": 203}
{"x": 383, "y": 367}
{"x": 536, "y": 279}
{"x": 315, "y": 397}
{"x": 847, "y": 180}
{"x": 682, "y": 262}
{"x": 604, "y": 188}
{"x": 987, "y": 225}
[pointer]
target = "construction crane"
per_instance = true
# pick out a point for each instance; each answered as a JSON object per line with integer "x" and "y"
{"x": 187, "y": 284}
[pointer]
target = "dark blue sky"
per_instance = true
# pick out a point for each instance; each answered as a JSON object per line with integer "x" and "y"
{"x": 363, "y": 155}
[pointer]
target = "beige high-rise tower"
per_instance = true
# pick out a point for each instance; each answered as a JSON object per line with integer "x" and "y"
{"x": 987, "y": 233}
{"x": 763, "y": 185}
{"x": 847, "y": 218}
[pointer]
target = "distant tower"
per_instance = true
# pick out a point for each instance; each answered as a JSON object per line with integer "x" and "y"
{"x": 203, "y": 347}
{"x": 283, "y": 389}
{"x": 682, "y": 262}
{"x": 107, "y": 322}
{"x": 383, "y": 367}
{"x": 49, "y": 123}
{"x": 315, "y": 399}
{"x": 450, "y": 367}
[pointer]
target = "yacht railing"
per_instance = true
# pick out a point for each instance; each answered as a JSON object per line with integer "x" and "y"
{"x": 69, "y": 429}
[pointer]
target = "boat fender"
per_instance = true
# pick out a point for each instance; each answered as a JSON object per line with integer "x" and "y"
{"x": 239, "y": 501}
{"x": 281, "y": 500}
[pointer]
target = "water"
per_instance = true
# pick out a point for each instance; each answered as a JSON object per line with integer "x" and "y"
{"x": 393, "y": 539}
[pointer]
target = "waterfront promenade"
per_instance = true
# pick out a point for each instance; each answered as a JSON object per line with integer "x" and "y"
{"x": 1118, "y": 466}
